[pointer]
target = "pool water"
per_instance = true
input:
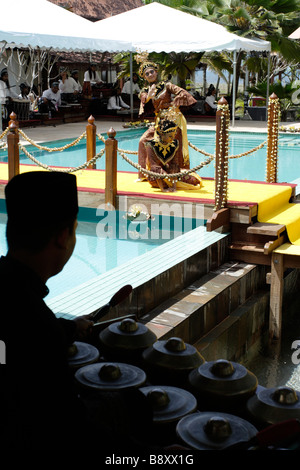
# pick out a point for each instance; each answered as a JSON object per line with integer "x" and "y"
{"x": 101, "y": 245}
{"x": 252, "y": 167}
{"x": 280, "y": 366}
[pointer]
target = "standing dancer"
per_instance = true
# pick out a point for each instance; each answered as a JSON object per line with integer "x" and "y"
{"x": 158, "y": 96}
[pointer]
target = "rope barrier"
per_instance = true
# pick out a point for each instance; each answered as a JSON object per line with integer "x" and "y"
{"x": 289, "y": 129}
{"x": 163, "y": 176}
{"x": 122, "y": 153}
{"x": 132, "y": 152}
{"x": 230, "y": 156}
{"x": 60, "y": 149}
{"x": 100, "y": 137}
{"x": 200, "y": 151}
{"x": 248, "y": 152}
{"x": 3, "y": 145}
{"x": 54, "y": 149}
{"x": 178, "y": 175}
{"x": 4, "y": 133}
{"x": 65, "y": 170}
{"x": 260, "y": 146}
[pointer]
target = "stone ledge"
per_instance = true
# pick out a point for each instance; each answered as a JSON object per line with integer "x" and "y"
{"x": 196, "y": 310}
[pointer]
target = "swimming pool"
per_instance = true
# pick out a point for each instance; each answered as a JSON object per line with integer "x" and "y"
{"x": 250, "y": 167}
{"x": 106, "y": 242}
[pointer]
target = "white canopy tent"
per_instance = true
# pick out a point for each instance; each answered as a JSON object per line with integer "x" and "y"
{"x": 158, "y": 28}
{"x": 295, "y": 34}
{"x": 45, "y": 25}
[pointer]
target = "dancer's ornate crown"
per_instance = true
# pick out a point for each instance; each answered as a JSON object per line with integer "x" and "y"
{"x": 168, "y": 120}
{"x": 142, "y": 58}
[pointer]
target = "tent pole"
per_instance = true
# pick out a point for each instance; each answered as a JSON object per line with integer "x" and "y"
{"x": 131, "y": 89}
{"x": 40, "y": 91}
{"x": 3, "y": 45}
{"x": 268, "y": 84}
{"x": 233, "y": 91}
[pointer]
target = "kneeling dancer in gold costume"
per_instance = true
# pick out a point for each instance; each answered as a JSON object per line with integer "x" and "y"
{"x": 162, "y": 157}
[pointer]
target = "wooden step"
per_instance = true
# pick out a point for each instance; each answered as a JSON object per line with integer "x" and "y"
{"x": 249, "y": 253}
{"x": 263, "y": 228}
{"x": 247, "y": 247}
{"x": 254, "y": 243}
{"x": 273, "y": 244}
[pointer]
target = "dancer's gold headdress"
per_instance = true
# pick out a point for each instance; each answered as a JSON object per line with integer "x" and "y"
{"x": 167, "y": 121}
{"x": 142, "y": 58}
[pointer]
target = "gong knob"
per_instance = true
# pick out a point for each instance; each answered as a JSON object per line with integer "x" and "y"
{"x": 222, "y": 368}
{"x": 175, "y": 344}
{"x": 218, "y": 428}
{"x": 285, "y": 396}
{"x": 158, "y": 398}
{"x": 110, "y": 372}
{"x": 72, "y": 350}
{"x": 128, "y": 325}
